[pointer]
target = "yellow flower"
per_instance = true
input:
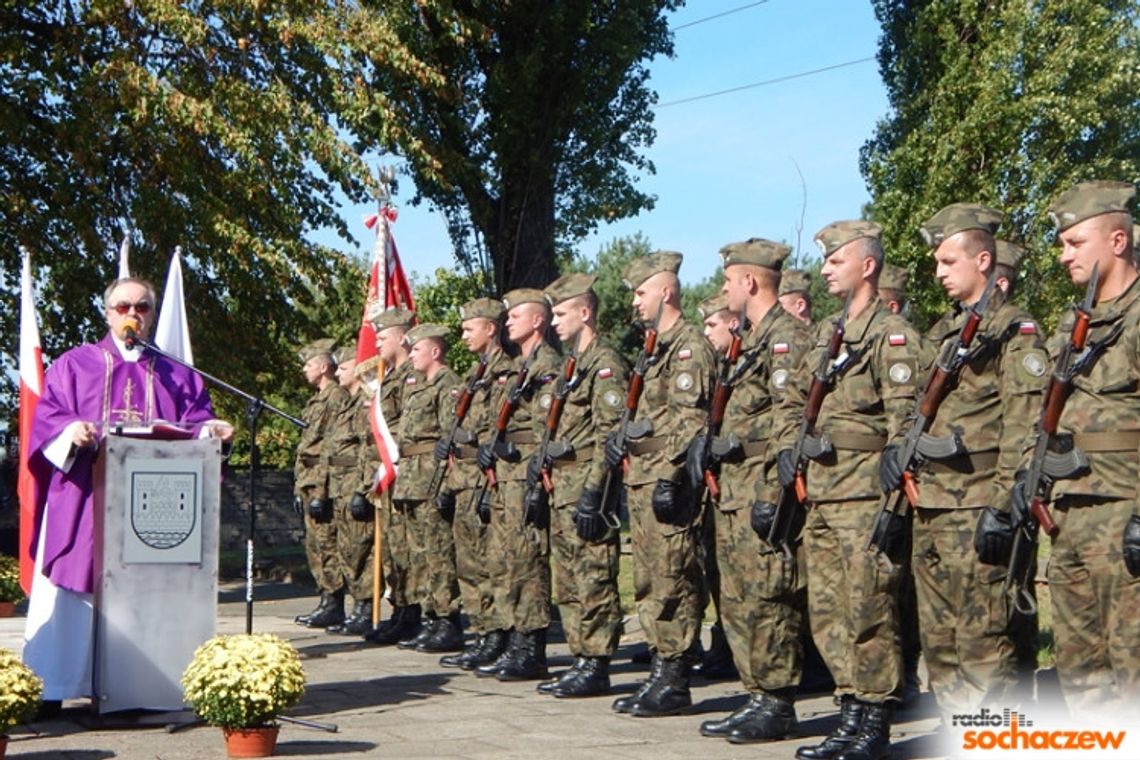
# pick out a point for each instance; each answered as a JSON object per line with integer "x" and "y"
{"x": 20, "y": 691}
{"x": 243, "y": 680}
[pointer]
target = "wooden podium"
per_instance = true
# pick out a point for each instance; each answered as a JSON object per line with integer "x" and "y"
{"x": 157, "y": 507}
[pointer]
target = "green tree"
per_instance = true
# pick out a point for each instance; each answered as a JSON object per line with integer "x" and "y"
{"x": 438, "y": 300}
{"x": 1005, "y": 103}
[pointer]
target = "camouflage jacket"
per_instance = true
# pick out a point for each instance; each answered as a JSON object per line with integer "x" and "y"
{"x": 478, "y": 423}
{"x": 674, "y": 403}
{"x": 770, "y": 353}
{"x": 425, "y": 417}
{"x": 1105, "y": 400}
{"x": 392, "y": 391}
{"x": 349, "y": 433}
{"x": 310, "y": 475}
{"x": 992, "y": 407}
{"x": 524, "y": 429}
{"x": 592, "y": 410}
{"x": 868, "y": 404}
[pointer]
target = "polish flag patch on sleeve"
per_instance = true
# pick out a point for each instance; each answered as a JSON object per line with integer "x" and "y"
{"x": 781, "y": 348}
{"x": 684, "y": 353}
{"x": 897, "y": 339}
{"x": 411, "y": 380}
{"x": 605, "y": 372}
{"x": 1027, "y": 328}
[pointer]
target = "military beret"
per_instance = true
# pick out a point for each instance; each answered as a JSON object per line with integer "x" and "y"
{"x": 794, "y": 281}
{"x": 893, "y": 278}
{"x": 344, "y": 353}
{"x": 1009, "y": 254}
{"x": 838, "y": 234}
{"x": 369, "y": 366}
{"x": 641, "y": 269}
{"x": 319, "y": 347}
{"x": 426, "y": 330}
{"x": 568, "y": 286}
{"x": 1088, "y": 199}
{"x": 710, "y": 306}
{"x": 481, "y": 308}
{"x": 519, "y": 296}
{"x": 958, "y": 217}
{"x": 758, "y": 251}
{"x": 382, "y": 319}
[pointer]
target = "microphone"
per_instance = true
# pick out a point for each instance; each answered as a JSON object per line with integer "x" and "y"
{"x": 130, "y": 332}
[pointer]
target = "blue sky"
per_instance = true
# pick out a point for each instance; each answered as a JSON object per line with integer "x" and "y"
{"x": 726, "y": 165}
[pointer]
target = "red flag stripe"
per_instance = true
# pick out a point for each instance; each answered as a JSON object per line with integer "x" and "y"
{"x": 31, "y": 388}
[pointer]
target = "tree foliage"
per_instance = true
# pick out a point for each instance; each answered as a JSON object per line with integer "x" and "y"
{"x": 1005, "y": 103}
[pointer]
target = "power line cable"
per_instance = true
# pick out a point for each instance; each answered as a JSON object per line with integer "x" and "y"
{"x": 718, "y": 15}
{"x": 797, "y": 75}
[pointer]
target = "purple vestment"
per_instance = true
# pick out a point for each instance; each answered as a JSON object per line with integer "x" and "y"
{"x": 93, "y": 383}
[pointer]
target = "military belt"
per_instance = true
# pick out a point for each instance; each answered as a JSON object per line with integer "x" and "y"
{"x": 857, "y": 441}
{"x": 648, "y": 445}
{"x": 973, "y": 461}
{"x": 753, "y": 448}
{"x": 521, "y": 436}
{"x": 466, "y": 452}
{"x": 416, "y": 449}
{"x": 342, "y": 461}
{"x": 308, "y": 460}
{"x": 574, "y": 457}
{"x": 1123, "y": 440}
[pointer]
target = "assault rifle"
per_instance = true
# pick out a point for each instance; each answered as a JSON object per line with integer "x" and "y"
{"x": 808, "y": 445}
{"x": 1047, "y": 465}
{"x": 918, "y": 445}
{"x": 720, "y": 397}
{"x": 546, "y": 449}
{"x": 462, "y": 405}
{"x": 646, "y": 359}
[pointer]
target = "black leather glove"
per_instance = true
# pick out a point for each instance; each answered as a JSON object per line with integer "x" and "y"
{"x": 890, "y": 531}
{"x": 588, "y": 516}
{"x": 890, "y": 469}
{"x": 669, "y": 506}
{"x": 536, "y": 506}
{"x": 762, "y": 518}
{"x": 993, "y": 538}
{"x": 321, "y": 510}
{"x": 442, "y": 449}
{"x": 483, "y": 508}
{"x": 360, "y": 507}
{"x": 485, "y": 457}
{"x": 298, "y": 506}
{"x": 533, "y": 471}
{"x": 696, "y": 462}
{"x": 614, "y": 451}
{"x": 786, "y": 467}
{"x": 488, "y": 454}
{"x": 1132, "y": 546}
{"x": 445, "y": 503}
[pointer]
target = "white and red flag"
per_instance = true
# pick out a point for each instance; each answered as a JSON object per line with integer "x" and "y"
{"x": 387, "y": 284}
{"x": 172, "y": 333}
{"x": 31, "y": 388}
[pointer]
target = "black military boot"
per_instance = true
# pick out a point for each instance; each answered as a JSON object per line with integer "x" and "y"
{"x": 421, "y": 634}
{"x": 357, "y": 623}
{"x": 590, "y": 679}
{"x": 669, "y": 694}
{"x": 491, "y": 669}
{"x": 529, "y": 662}
{"x": 625, "y": 704}
{"x": 717, "y": 664}
{"x": 330, "y": 611}
{"x": 492, "y": 647}
{"x": 404, "y": 622}
{"x": 721, "y": 728}
{"x": 850, "y": 719}
{"x": 546, "y": 687}
{"x": 874, "y": 739}
{"x": 459, "y": 659}
{"x": 447, "y": 636}
{"x": 776, "y": 719}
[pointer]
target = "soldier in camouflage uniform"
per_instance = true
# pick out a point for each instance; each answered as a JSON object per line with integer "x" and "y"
{"x": 969, "y": 650}
{"x": 519, "y": 552}
{"x": 892, "y": 287}
{"x": 391, "y": 325}
{"x": 762, "y": 590}
{"x": 584, "y": 548}
{"x": 795, "y": 294}
{"x": 663, "y": 511}
{"x": 1008, "y": 257}
{"x": 1094, "y": 568}
{"x": 428, "y": 405}
{"x": 851, "y": 596}
{"x": 352, "y": 512}
{"x": 312, "y": 491}
{"x": 481, "y": 323}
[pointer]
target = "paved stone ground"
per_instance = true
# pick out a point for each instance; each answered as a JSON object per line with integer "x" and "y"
{"x": 395, "y": 704}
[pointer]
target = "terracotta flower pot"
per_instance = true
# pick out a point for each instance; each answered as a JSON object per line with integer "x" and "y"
{"x": 259, "y": 741}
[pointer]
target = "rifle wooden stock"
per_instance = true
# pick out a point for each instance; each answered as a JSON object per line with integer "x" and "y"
{"x": 721, "y": 394}
{"x": 554, "y": 418}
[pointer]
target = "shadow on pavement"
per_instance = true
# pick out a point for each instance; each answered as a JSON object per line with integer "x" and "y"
{"x": 265, "y": 592}
{"x": 74, "y": 754}
{"x": 312, "y": 748}
{"x": 328, "y": 698}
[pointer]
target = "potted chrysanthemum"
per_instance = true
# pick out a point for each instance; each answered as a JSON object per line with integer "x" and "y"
{"x": 10, "y": 591}
{"x": 20, "y": 692}
{"x": 241, "y": 683}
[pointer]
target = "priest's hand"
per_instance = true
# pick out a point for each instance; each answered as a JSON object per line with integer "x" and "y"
{"x": 221, "y": 430}
{"x": 83, "y": 434}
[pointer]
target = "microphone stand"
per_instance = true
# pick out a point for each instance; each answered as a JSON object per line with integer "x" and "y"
{"x": 253, "y": 407}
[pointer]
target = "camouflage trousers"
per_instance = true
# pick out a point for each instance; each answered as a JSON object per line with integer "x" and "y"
{"x": 518, "y": 558}
{"x": 666, "y": 576}
{"x": 762, "y": 598}
{"x": 431, "y": 571}
{"x": 852, "y": 602}
{"x": 396, "y": 555}
{"x": 476, "y": 588}
{"x": 585, "y": 586}
{"x": 354, "y": 549}
{"x": 323, "y": 555}
{"x": 1096, "y": 608}
{"x": 710, "y": 589}
{"x": 962, "y": 615}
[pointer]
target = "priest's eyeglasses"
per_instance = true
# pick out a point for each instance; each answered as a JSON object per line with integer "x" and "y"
{"x": 142, "y": 307}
